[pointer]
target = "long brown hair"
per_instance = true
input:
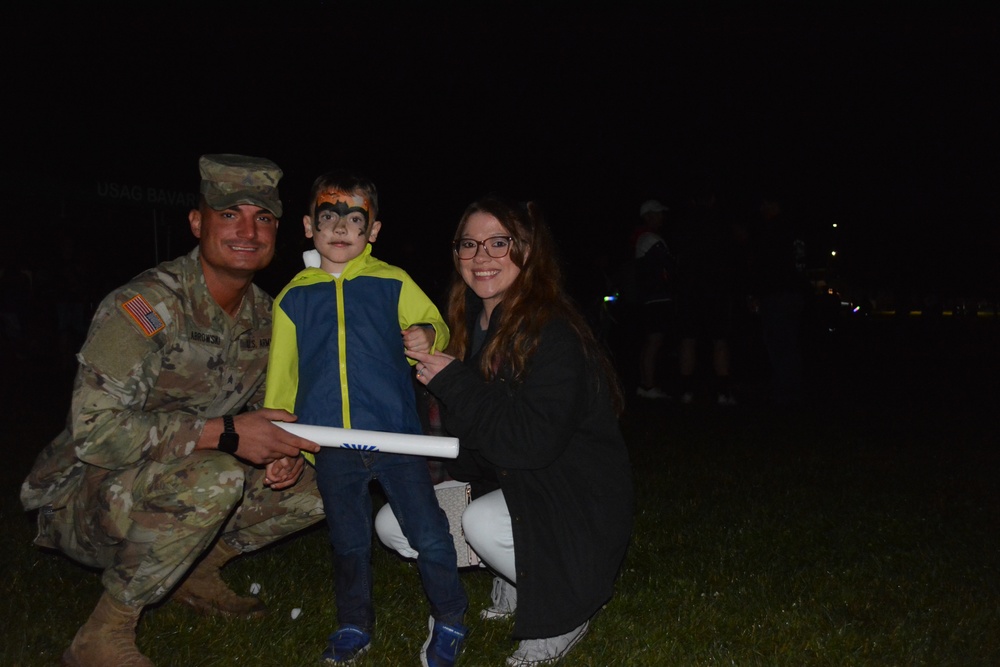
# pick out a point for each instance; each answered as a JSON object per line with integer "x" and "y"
{"x": 534, "y": 298}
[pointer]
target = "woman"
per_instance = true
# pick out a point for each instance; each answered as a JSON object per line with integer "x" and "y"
{"x": 533, "y": 401}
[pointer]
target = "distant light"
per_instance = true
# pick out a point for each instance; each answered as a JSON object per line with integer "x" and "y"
{"x": 835, "y": 225}
{"x": 833, "y": 253}
{"x": 611, "y": 297}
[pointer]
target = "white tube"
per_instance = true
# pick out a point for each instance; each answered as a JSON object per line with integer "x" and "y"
{"x": 375, "y": 441}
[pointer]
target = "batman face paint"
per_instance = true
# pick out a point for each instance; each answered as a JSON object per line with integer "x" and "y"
{"x": 342, "y": 228}
{"x": 335, "y": 208}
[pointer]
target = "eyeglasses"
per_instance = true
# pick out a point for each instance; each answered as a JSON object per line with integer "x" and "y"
{"x": 495, "y": 246}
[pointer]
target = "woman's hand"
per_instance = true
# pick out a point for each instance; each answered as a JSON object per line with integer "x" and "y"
{"x": 429, "y": 365}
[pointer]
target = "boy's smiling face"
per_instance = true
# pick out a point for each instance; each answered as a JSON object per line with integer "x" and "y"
{"x": 342, "y": 227}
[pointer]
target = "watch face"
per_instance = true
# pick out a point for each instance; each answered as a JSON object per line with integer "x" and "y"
{"x": 229, "y": 442}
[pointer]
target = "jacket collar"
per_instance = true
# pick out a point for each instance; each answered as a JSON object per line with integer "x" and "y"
{"x": 208, "y": 313}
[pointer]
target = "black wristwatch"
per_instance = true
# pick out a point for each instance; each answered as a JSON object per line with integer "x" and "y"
{"x": 229, "y": 439}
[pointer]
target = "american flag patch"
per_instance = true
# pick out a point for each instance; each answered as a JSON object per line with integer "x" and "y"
{"x": 143, "y": 314}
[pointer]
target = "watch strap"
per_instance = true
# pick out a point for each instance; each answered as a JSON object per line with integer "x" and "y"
{"x": 229, "y": 439}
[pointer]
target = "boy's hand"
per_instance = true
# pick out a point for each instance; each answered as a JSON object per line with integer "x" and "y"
{"x": 284, "y": 472}
{"x": 419, "y": 339}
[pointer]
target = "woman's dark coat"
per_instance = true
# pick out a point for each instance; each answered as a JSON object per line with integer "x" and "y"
{"x": 553, "y": 444}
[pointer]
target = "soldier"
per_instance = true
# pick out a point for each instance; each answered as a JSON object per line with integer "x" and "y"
{"x": 166, "y": 458}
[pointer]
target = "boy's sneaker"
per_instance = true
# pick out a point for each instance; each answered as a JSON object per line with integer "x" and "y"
{"x": 654, "y": 392}
{"x": 547, "y": 650}
{"x": 504, "y": 597}
{"x": 346, "y": 645}
{"x": 443, "y": 644}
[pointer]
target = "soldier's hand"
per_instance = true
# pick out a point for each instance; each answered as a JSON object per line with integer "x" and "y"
{"x": 261, "y": 442}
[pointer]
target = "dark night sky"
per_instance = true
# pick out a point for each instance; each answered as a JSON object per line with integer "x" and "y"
{"x": 883, "y": 121}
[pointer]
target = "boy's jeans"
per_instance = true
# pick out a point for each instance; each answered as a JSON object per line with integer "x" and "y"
{"x": 343, "y": 476}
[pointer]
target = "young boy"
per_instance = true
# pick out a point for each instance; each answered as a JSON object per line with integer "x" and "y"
{"x": 337, "y": 360}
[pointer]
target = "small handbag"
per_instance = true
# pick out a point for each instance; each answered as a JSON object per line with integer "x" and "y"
{"x": 454, "y": 497}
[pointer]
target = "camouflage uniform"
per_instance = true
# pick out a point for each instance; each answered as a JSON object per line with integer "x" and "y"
{"x": 122, "y": 488}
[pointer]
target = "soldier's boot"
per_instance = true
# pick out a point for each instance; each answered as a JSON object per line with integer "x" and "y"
{"x": 107, "y": 638}
{"x": 204, "y": 590}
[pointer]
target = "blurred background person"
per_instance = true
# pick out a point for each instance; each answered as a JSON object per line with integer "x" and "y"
{"x": 705, "y": 246}
{"x": 779, "y": 287}
{"x": 654, "y": 273}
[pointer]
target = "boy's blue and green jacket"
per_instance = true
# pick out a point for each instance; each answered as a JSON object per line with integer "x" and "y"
{"x": 337, "y": 350}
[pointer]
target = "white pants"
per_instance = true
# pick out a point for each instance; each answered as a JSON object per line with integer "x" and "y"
{"x": 487, "y": 527}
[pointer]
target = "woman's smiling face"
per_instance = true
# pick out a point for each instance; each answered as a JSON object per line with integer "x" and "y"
{"x": 489, "y": 277}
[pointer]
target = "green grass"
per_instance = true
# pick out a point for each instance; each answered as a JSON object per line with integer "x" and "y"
{"x": 862, "y": 531}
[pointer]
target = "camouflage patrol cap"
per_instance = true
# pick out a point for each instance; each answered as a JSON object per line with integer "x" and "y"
{"x": 229, "y": 180}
